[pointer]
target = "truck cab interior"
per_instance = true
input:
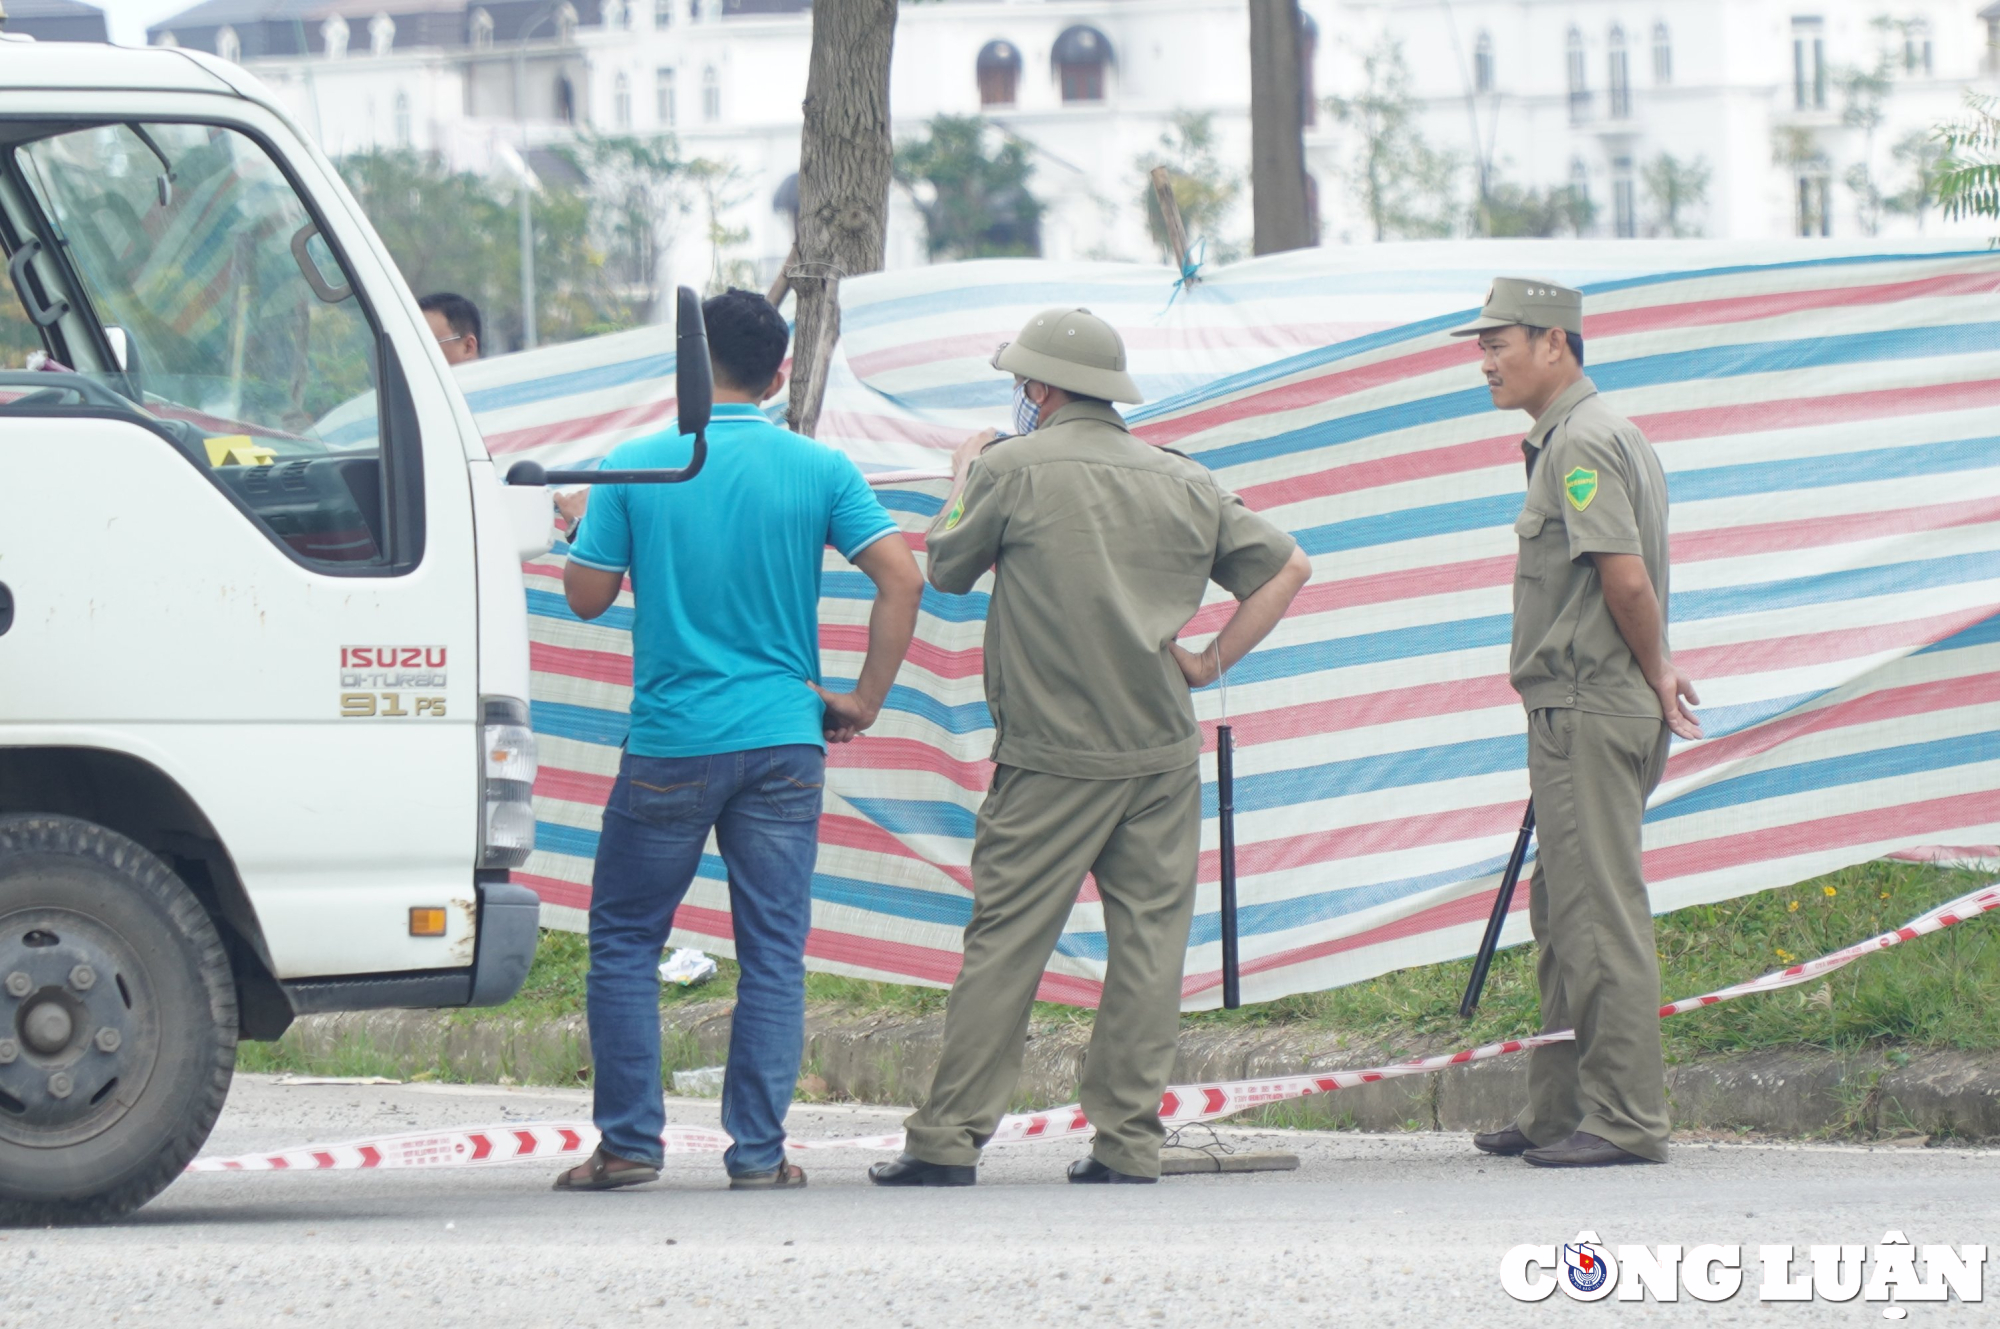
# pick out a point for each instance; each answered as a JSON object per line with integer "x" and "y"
{"x": 172, "y": 275}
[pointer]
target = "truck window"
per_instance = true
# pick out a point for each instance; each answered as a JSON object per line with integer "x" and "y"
{"x": 237, "y": 327}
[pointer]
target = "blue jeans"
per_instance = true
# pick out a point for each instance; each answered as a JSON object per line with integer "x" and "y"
{"x": 764, "y": 806}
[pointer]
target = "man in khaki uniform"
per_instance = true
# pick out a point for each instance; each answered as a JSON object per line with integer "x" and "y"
{"x": 1102, "y": 548}
{"x": 1591, "y": 663}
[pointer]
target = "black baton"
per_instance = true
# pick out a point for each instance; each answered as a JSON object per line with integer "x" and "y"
{"x": 1225, "y": 808}
{"x": 1503, "y": 902}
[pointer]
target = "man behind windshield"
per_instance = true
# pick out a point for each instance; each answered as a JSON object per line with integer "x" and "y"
{"x": 455, "y": 323}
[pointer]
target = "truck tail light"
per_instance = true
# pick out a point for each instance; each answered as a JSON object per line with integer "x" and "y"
{"x": 507, "y": 783}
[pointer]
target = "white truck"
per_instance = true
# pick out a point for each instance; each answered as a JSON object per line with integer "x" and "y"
{"x": 264, "y": 733}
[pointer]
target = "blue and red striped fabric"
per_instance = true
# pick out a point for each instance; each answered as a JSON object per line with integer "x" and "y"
{"x": 1830, "y": 427}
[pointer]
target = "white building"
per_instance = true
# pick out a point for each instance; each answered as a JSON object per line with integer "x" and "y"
{"x": 1540, "y": 95}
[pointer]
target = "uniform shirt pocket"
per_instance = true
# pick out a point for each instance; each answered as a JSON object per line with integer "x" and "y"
{"x": 1537, "y": 544}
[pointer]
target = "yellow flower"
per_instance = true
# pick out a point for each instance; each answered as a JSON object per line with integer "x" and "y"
{"x": 1883, "y": 896}
{"x": 1792, "y": 908}
{"x": 1783, "y": 954}
{"x": 1828, "y": 891}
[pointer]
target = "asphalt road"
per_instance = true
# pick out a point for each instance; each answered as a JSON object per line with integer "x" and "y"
{"x": 1384, "y": 1230}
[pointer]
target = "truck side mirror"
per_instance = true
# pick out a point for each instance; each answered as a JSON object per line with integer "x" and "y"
{"x": 694, "y": 387}
{"x": 694, "y": 379}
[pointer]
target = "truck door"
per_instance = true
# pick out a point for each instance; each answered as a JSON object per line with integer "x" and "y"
{"x": 227, "y": 547}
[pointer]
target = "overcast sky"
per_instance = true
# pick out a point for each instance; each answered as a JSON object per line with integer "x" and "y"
{"x": 129, "y": 18}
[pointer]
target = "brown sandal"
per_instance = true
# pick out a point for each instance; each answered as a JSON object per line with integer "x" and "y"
{"x": 784, "y": 1177}
{"x": 602, "y": 1176}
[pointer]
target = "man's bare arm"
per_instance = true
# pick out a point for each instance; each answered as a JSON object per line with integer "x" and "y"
{"x": 590, "y": 591}
{"x": 899, "y": 590}
{"x": 1628, "y": 594}
{"x": 1251, "y": 623}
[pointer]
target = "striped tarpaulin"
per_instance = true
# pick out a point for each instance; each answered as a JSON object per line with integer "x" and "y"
{"x": 1828, "y": 422}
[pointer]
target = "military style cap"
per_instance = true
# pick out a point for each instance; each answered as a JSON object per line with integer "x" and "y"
{"x": 1530, "y": 301}
{"x": 1071, "y": 349}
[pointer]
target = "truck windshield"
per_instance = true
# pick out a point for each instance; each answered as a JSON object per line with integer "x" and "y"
{"x": 234, "y": 315}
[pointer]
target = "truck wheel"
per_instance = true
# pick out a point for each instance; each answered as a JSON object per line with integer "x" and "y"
{"x": 117, "y": 1023}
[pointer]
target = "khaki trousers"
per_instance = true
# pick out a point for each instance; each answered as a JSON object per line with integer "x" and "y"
{"x": 1038, "y": 834}
{"x": 1593, "y": 924}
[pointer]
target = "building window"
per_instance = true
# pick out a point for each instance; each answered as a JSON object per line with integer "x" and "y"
{"x": 1624, "y": 210}
{"x": 1992, "y": 39}
{"x": 1619, "y": 76}
{"x": 228, "y": 45}
{"x": 402, "y": 119}
{"x": 663, "y": 13}
{"x": 1482, "y": 63}
{"x": 1808, "y": 64}
{"x": 1579, "y": 189}
{"x": 663, "y": 97}
{"x": 565, "y": 99}
{"x": 1080, "y": 56}
{"x": 381, "y": 34}
{"x": 999, "y": 72}
{"x": 1579, "y": 86}
{"x": 1917, "y": 47}
{"x": 1815, "y": 217}
{"x": 711, "y": 95}
{"x": 1663, "y": 55}
{"x": 621, "y": 100}
{"x": 333, "y": 36}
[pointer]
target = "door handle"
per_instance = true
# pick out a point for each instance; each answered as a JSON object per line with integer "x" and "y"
{"x": 6, "y": 607}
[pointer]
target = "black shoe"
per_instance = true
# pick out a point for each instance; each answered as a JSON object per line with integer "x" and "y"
{"x": 1090, "y": 1172}
{"x": 1506, "y": 1143}
{"x": 1582, "y": 1149}
{"x": 909, "y": 1170}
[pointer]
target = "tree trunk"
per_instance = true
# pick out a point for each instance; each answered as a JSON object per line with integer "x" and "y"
{"x": 1279, "y": 211}
{"x": 844, "y": 161}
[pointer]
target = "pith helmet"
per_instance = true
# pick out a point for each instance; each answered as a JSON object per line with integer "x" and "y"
{"x": 1071, "y": 349}
{"x": 1528, "y": 300}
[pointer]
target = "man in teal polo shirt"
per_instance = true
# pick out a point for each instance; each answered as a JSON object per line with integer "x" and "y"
{"x": 728, "y": 734}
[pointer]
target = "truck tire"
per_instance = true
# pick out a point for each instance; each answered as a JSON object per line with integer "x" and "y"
{"x": 117, "y": 1023}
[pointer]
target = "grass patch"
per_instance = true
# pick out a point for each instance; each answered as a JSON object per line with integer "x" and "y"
{"x": 1941, "y": 991}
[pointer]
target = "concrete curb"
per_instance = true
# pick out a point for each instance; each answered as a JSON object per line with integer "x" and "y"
{"x": 883, "y": 1057}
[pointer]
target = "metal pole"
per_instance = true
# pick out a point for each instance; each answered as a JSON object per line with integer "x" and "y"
{"x": 527, "y": 268}
{"x": 1503, "y": 904}
{"x": 1225, "y": 807}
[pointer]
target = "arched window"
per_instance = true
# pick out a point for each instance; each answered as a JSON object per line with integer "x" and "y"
{"x": 663, "y": 97}
{"x": 711, "y": 94}
{"x": 1482, "y": 63}
{"x": 1619, "y": 75}
{"x": 1579, "y": 84}
{"x": 566, "y": 24}
{"x": 621, "y": 100}
{"x": 1663, "y": 55}
{"x": 565, "y": 99}
{"x": 1308, "y": 83}
{"x": 1917, "y": 47}
{"x": 999, "y": 71}
{"x": 615, "y": 14}
{"x": 381, "y": 34}
{"x": 482, "y": 30}
{"x": 1080, "y": 57}
{"x": 228, "y": 45}
{"x": 333, "y": 37}
{"x": 402, "y": 119}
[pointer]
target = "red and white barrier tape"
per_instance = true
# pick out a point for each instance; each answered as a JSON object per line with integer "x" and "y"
{"x": 1180, "y": 1105}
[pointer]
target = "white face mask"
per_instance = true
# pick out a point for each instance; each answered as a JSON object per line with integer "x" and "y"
{"x": 1026, "y": 413}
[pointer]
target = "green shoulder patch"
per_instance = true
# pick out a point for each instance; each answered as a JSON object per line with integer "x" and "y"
{"x": 957, "y": 511}
{"x": 1581, "y": 486}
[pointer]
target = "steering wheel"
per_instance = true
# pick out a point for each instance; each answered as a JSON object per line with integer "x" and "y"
{"x": 83, "y": 385}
